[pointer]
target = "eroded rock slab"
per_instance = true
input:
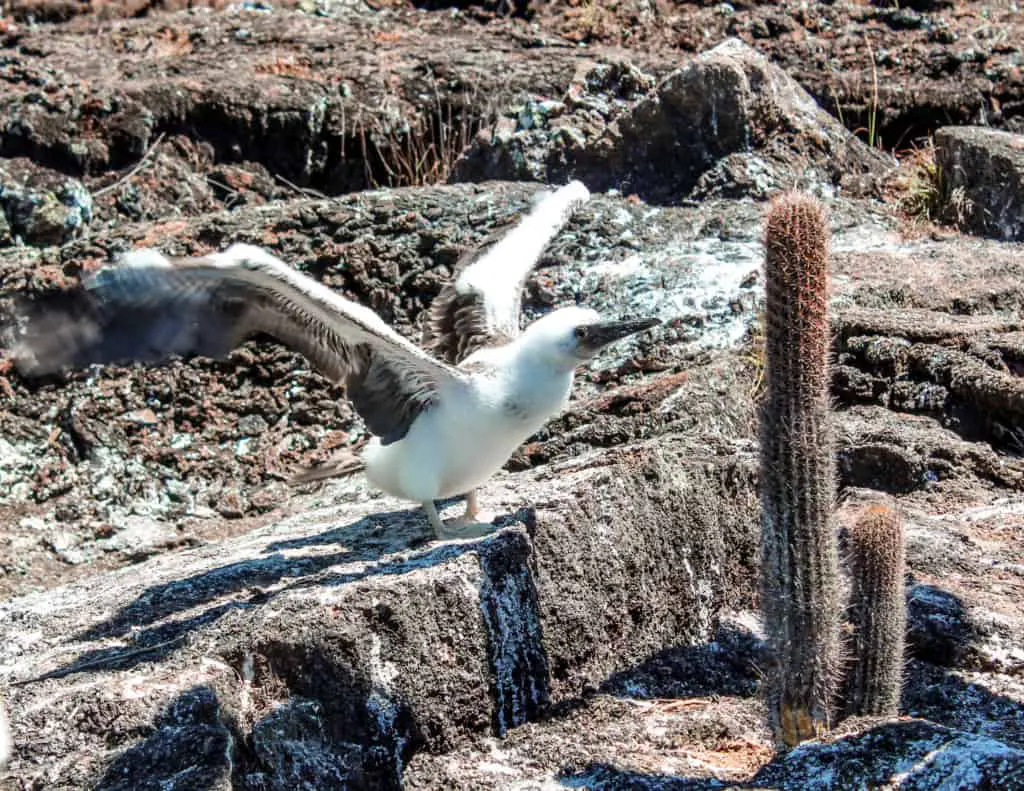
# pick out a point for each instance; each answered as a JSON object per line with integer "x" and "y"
{"x": 726, "y": 124}
{"x": 983, "y": 179}
{"x": 160, "y": 454}
{"x": 336, "y": 640}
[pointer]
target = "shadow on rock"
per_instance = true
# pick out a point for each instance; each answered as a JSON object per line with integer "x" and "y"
{"x": 605, "y": 777}
{"x": 165, "y": 599}
{"x": 147, "y": 645}
{"x": 155, "y": 643}
{"x": 869, "y": 754}
{"x": 951, "y": 699}
{"x": 188, "y": 747}
{"x": 937, "y": 631}
{"x": 199, "y": 742}
{"x": 966, "y": 635}
{"x": 292, "y": 748}
{"x": 310, "y": 721}
{"x": 725, "y": 666}
{"x": 922, "y": 754}
{"x": 972, "y": 737}
{"x": 434, "y": 556}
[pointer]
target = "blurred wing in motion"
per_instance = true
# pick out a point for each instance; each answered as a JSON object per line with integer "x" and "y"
{"x": 151, "y": 308}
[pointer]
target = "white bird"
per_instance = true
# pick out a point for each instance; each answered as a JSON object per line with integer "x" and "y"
{"x": 443, "y": 420}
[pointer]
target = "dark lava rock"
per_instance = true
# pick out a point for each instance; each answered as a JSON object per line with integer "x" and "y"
{"x": 939, "y": 630}
{"x": 728, "y": 124}
{"x": 325, "y": 648}
{"x": 731, "y": 101}
{"x": 40, "y": 207}
{"x": 911, "y": 754}
{"x": 187, "y": 746}
{"x": 983, "y": 180}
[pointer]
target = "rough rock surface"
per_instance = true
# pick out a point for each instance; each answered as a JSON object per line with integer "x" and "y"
{"x": 597, "y": 595}
{"x": 337, "y": 104}
{"x": 899, "y": 68}
{"x": 335, "y": 642}
{"x": 983, "y": 179}
{"x": 37, "y": 212}
{"x": 726, "y": 124}
{"x": 250, "y": 636}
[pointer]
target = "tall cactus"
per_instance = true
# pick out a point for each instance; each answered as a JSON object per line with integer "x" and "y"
{"x": 878, "y": 612}
{"x": 799, "y": 559}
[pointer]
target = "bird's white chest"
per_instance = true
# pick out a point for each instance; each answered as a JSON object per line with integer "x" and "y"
{"x": 467, "y": 437}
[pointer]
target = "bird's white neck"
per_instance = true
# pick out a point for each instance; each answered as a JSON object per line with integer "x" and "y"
{"x": 536, "y": 385}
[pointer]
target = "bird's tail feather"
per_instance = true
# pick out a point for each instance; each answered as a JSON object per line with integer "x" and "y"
{"x": 338, "y": 467}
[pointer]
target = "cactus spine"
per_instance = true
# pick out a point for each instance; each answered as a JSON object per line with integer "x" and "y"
{"x": 800, "y": 595}
{"x": 877, "y": 612}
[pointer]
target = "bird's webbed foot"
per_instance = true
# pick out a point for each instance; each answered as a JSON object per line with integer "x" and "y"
{"x": 471, "y": 524}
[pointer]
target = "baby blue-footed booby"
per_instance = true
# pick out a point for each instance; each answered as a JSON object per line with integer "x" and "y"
{"x": 444, "y": 420}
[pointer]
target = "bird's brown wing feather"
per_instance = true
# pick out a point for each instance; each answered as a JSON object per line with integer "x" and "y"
{"x": 208, "y": 307}
{"x": 481, "y": 305}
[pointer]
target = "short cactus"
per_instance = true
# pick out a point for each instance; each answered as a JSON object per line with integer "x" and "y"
{"x": 878, "y": 612}
{"x": 799, "y": 559}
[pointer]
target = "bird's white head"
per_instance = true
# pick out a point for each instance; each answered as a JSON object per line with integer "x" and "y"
{"x": 568, "y": 337}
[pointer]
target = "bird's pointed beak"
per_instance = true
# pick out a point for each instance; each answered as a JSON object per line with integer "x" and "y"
{"x": 594, "y": 337}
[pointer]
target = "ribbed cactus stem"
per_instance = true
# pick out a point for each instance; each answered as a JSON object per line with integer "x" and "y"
{"x": 799, "y": 558}
{"x": 878, "y": 612}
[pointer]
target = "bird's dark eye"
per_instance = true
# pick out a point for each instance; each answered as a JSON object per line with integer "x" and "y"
{"x": 579, "y": 332}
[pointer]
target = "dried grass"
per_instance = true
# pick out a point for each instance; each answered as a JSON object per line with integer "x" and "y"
{"x": 915, "y": 186}
{"x": 424, "y": 152}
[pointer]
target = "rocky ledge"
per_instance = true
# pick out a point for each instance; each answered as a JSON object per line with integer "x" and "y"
{"x": 332, "y": 646}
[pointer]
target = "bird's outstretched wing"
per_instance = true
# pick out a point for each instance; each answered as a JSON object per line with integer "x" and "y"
{"x": 151, "y": 307}
{"x": 481, "y": 306}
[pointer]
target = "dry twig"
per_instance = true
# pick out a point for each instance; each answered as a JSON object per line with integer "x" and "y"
{"x": 135, "y": 170}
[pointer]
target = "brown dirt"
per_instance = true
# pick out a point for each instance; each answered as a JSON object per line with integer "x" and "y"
{"x": 91, "y": 95}
{"x": 954, "y": 62}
